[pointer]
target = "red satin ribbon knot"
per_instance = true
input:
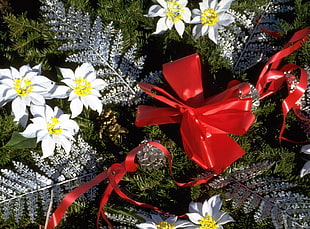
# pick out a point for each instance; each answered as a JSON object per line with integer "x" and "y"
{"x": 205, "y": 123}
{"x": 272, "y": 76}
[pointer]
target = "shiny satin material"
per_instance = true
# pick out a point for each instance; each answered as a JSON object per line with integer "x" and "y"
{"x": 272, "y": 77}
{"x": 205, "y": 123}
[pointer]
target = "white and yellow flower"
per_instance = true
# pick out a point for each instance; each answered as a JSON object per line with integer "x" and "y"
{"x": 23, "y": 87}
{"x": 156, "y": 222}
{"x": 210, "y": 18}
{"x": 84, "y": 88}
{"x": 172, "y": 13}
{"x": 51, "y": 128}
{"x": 208, "y": 215}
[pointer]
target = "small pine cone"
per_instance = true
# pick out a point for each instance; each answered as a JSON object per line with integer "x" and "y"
{"x": 151, "y": 157}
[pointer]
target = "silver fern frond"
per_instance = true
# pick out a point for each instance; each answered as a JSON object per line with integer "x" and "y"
{"x": 26, "y": 192}
{"x": 102, "y": 46}
{"x": 267, "y": 197}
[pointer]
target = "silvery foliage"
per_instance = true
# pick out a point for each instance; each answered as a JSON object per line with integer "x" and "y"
{"x": 305, "y": 105}
{"x": 27, "y": 191}
{"x": 244, "y": 43}
{"x": 265, "y": 197}
{"x": 102, "y": 46}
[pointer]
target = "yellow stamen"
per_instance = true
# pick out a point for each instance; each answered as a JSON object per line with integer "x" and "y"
{"x": 51, "y": 126}
{"x": 23, "y": 86}
{"x": 174, "y": 11}
{"x": 165, "y": 225}
{"x": 209, "y": 17}
{"x": 82, "y": 87}
{"x": 207, "y": 223}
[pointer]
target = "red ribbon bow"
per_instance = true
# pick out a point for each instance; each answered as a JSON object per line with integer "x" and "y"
{"x": 205, "y": 123}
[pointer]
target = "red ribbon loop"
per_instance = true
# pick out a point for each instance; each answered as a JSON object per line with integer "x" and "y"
{"x": 272, "y": 77}
{"x": 205, "y": 123}
{"x": 115, "y": 174}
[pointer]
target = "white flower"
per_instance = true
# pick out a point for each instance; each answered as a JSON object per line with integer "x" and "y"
{"x": 306, "y": 168}
{"x": 156, "y": 222}
{"x": 210, "y": 18}
{"x": 172, "y": 12}
{"x": 208, "y": 215}
{"x": 84, "y": 88}
{"x": 23, "y": 87}
{"x": 51, "y": 127}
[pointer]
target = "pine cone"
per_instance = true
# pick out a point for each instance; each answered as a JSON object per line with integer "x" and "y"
{"x": 151, "y": 157}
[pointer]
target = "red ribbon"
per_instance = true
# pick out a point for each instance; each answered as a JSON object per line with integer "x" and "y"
{"x": 114, "y": 174}
{"x": 205, "y": 123}
{"x": 272, "y": 77}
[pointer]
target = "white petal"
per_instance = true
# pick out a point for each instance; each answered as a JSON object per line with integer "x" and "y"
{"x": 37, "y": 99}
{"x": 94, "y": 103}
{"x": 18, "y": 108}
{"x": 196, "y": 32}
{"x": 84, "y": 70}
{"x": 196, "y": 20}
{"x": 194, "y": 217}
{"x": 15, "y": 73}
{"x": 204, "y": 5}
{"x": 67, "y": 73}
{"x": 213, "y": 33}
{"x": 23, "y": 70}
{"x": 155, "y": 11}
{"x": 161, "y": 26}
{"x": 206, "y": 208}
{"x": 195, "y": 207}
{"x": 226, "y": 19}
{"x": 48, "y": 146}
{"x": 204, "y": 30}
{"x": 224, "y": 5}
{"x": 163, "y": 3}
{"x": 213, "y": 4}
{"x": 305, "y": 169}
{"x": 215, "y": 203}
{"x": 69, "y": 82}
{"x": 65, "y": 143}
{"x": 179, "y": 26}
{"x": 99, "y": 84}
{"x": 148, "y": 225}
{"x": 187, "y": 15}
{"x": 5, "y": 73}
{"x": 76, "y": 107}
{"x": 183, "y": 2}
{"x": 224, "y": 218}
{"x": 169, "y": 23}
{"x": 30, "y": 131}
{"x": 59, "y": 91}
{"x": 42, "y": 82}
{"x": 156, "y": 218}
{"x": 49, "y": 112}
{"x": 305, "y": 149}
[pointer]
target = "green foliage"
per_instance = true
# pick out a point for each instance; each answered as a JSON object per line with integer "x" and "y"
{"x": 18, "y": 141}
{"x": 31, "y": 41}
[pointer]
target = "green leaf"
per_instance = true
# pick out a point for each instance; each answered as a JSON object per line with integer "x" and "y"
{"x": 18, "y": 141}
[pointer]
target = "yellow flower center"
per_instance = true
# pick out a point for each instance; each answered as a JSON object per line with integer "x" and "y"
{"x": 165, "y": 225}
{"x": 51, "y": 126}
{"x": 207, "y": 223}
{"x": 82, "y": 87}
{"x": 209, "y": 17}
{"x": 23, "y": 86}
{"x": 174, "y": 11}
